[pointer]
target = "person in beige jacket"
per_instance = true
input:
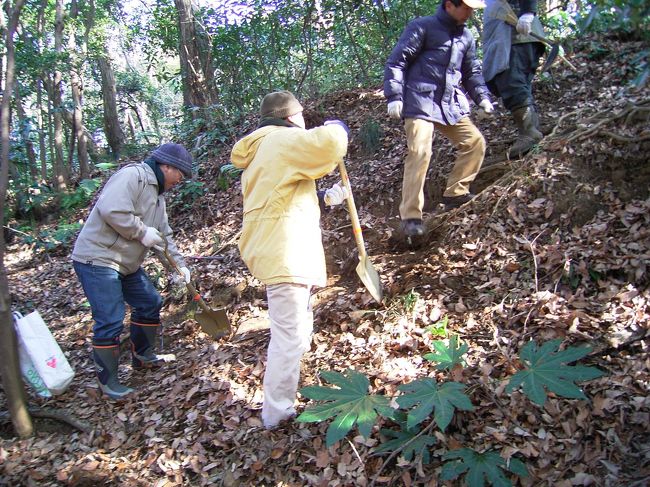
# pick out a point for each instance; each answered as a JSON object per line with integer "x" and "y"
{"x": 281, "y": 237}
{"x": 129, "y": 218}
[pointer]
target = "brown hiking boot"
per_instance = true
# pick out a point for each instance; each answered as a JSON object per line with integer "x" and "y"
{"x": 527, "y": 122}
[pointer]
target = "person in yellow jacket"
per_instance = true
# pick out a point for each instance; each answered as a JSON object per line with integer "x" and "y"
{"x": 281, "y": 237}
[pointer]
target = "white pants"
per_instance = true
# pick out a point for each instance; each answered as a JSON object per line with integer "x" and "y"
{"x": 292, "y": 322}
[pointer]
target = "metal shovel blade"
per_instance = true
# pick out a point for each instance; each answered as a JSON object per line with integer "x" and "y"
{"x": 368, "y": 275}
{"x": 550, "y": 59}
{"x": 214, "y": 322}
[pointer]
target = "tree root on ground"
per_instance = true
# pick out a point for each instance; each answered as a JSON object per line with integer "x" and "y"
{"x": 57, "y": 415}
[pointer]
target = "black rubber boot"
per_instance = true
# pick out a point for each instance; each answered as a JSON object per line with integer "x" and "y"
{"x": 527, "y": 122}
{"x": 412, "y": 227}
{"x": 143, "y": 344}
{"x": 106, "y": 356}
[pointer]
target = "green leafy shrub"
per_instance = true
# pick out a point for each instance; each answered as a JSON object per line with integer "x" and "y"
{"x": 81, "y": 196}
{"x": 227, "y": 173}
{"x": 59, "y": 238}
{"x": 187, "y": 193}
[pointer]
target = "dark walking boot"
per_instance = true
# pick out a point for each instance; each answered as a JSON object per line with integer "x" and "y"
{"x": 527, "y": 122}
{"x": 453, "y": 202}
{"x": 106, "y": 355}
{"x": 143, "y": 344}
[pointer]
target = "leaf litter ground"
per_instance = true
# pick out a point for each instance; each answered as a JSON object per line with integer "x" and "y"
{"x": 556, "y": 246}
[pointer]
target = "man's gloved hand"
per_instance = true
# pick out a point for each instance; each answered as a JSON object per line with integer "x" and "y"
{"x": 152, "y": 238}
{"x": 339, "y": 123}
{"x": 336, "y": 195}
{"x": 395, "y": 109}
{"x": 525, "y": 23}
{"x": 486, "y": 107}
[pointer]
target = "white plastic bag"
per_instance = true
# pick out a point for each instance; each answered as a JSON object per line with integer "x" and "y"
{"x": 27, "y": 369}
{"x": 38, "y": 344}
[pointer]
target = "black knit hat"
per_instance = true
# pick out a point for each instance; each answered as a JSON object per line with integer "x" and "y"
{"x": 280, "y": 104}
{"x": 174, "y": 155}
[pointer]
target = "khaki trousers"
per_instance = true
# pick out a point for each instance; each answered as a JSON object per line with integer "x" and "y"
{"x": 470, "y": 147}
{"x": 292, "y": 322}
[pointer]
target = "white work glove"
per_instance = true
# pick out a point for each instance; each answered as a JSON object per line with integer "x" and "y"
{"x": 525, "y": 23}
{"x": 486, "y": 107}
{"x": 185, "y": 274}
{"x": 152, "y": 238}
{"x": 395, "y": 109}
{"x": 336, "y": 195}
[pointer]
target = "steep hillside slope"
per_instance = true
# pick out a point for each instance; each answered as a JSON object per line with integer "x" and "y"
{"x": 556, "y": 246}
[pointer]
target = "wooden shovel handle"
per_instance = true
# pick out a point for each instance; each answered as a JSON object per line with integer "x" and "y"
{"x": 512, "y": 20}
{"x": 190, "y": 287}
{"x": 354, "y": 216}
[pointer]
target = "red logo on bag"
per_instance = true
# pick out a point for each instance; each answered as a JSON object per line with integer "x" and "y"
{"x": 52, "y": 362}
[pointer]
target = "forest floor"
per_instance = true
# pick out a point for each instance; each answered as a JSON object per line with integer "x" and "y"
{"x": 556, "y": 246}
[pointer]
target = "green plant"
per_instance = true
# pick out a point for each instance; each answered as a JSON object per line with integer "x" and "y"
{"x": 545, "y": 369}
{"x": 370, "y": 135}
{"x": 409, "y": 441}
{"x": 439, "y": 328}
{"x": 349, "y": 402}
{"x": 448, "y": 356}
{"x": 427, "y": 396}
{"x": 479, "y": 467}
{"x": 410, "y": 300}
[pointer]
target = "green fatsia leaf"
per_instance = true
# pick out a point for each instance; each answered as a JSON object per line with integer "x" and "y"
{"x": 349, "y": 404}
{"x": 546, "y": 369}
{"x": 480, "y": 467}
{"x": 427, "y": 397}
{"x": 447, "y": 355}
{"x": 415, "y": 445}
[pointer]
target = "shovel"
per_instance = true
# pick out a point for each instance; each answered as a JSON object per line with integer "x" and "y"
{"x": 365, "y": 269}
{"x": 504, "y": 12}
{"x": 214, "y": 322}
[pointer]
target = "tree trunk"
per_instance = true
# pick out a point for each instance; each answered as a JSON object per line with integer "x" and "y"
{"x": 25, "y": 134}
{"x": 76, "y": 87}
{"x": 112, "y": 128}
{"x": 60, "y": 182}
{"x": 41, "y": 130}
{"x": 196, "y": 65}
{"x": 40, "y": 27}
{"x": 9, "y": 368}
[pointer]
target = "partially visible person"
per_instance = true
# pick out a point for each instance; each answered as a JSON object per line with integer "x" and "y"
{"x": 281, "y": 237}
{"x": 128, "y": 220}
{"x": 426, "y": 79}
{"x": 510, "y": 59}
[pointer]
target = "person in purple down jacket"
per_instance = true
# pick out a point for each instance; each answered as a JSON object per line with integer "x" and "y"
{"x": 426, "y": 78}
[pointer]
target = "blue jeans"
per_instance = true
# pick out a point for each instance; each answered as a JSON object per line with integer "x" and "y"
{"x": 107, "y": 290}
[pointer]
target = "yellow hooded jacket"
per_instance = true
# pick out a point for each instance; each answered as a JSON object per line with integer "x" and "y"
{"x": 281, "y": 237}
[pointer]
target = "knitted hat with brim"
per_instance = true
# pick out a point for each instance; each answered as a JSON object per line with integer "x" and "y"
{"x": 174, "y": 155}
{"x": 280, "y": 104}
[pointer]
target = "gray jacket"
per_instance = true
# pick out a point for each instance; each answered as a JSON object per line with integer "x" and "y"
{"x": 127, "y": 205}
{"x": 498, "y": 36}
{"x": 433, "y": 57}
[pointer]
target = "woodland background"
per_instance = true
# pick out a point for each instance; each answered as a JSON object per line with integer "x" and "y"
{"x": 556, "y": 245}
